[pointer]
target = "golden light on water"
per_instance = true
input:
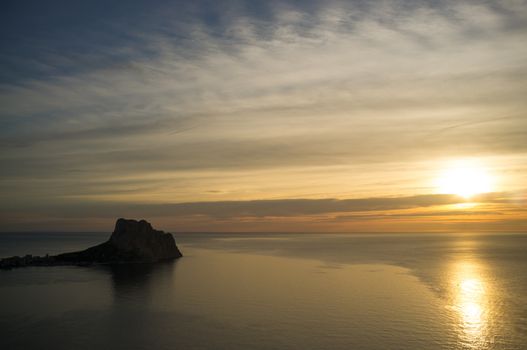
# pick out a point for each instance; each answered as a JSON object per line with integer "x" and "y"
{"x": 465, "y": 178}
{"x": 471, "y": 310}
{"x": 470, "y": 298}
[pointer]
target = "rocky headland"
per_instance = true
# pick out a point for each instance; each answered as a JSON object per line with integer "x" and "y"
{"x": 132, "y": 241}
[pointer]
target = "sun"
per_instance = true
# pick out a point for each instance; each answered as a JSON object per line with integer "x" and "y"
{"x": 464, "y": 178}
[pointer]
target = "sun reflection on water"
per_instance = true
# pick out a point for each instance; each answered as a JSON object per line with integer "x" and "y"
{"x": 471, "y": 304}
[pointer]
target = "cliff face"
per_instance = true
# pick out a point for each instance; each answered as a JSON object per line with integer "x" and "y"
{"x": 131, "y": 241}
{"x": 139, "y": 238}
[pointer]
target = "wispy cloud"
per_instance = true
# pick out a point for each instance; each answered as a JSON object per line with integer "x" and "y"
{"x": 189, "y": 99}
{"x": 266, "y": 208}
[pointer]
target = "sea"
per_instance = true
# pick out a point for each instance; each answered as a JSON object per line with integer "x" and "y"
{"x": 273, "y": 291}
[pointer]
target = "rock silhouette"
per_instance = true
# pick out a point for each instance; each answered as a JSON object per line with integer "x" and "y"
{"x": 132, "y": 241}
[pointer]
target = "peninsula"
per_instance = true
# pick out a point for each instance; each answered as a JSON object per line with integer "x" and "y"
{"x": 132, "y": 241}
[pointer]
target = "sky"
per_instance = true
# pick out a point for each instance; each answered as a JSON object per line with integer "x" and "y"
{"x": 268, "y": 116}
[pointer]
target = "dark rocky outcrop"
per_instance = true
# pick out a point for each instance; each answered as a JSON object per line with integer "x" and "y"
{"x": 131, "y": 242}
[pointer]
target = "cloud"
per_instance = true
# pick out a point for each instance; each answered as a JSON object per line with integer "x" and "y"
{"x": 262, "y": 208}
{"x": 326, "y": 214}
{"x": 195, "y": 95}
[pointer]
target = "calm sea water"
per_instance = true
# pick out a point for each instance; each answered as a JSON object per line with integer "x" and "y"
{"x": 274, "y": 291}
